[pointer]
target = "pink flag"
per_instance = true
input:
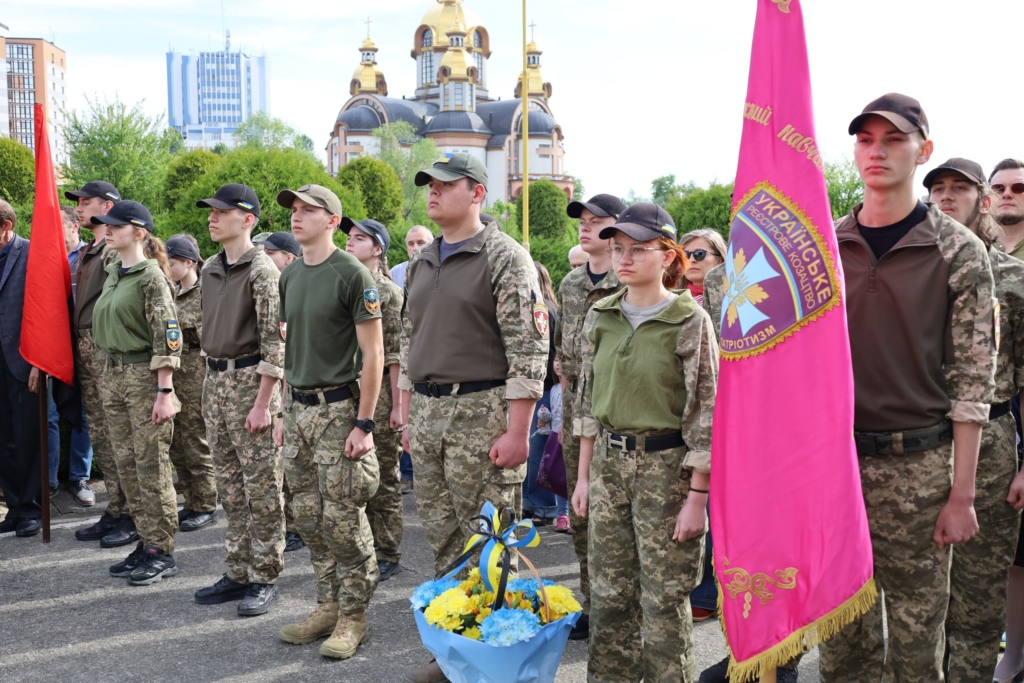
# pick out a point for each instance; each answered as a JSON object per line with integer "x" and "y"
{"x": 792, "y": 548}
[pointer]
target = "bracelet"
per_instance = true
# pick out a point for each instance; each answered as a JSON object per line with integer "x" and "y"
{"x": 693, "y": 490}
{"x": 162, "y": 390}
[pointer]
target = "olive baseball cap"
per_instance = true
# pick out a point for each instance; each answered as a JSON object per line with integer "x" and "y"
{"x": 969, "y": 169}
{"x": 450, "y": 167}
{"x": 371, "y": 227}
{"x": 95, "y": 188}
{"x": 282, "y": 241}
{"x": 233, "y": 196}
{"x": 314, "y": 195}
{"x": 900, "y": 110}
{"x": 126, "y": 213}
{"x": 643, "y": 222}
{"x": 603, "y": 205}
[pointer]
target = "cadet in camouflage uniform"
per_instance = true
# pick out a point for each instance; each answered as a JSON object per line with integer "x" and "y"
{"x": 579, "y": 291}
{"x": 977, "y": 603}
{"x": 136, "y": 324}
{"x": 920, "y": 309}
{"x": 241, "y": 392}
{"x": 190, "y": 454}
{"x": 368, "y": 241}
{"x": 643, "y": 414}
{"x": 330, "y": 312}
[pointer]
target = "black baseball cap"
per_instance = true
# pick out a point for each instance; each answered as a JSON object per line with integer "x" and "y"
{"x": 969, "y": 169}
{"x": 126, "y": 213}
{"x": 902, "y": 111}
{"x": 370, "y": 227}
{"x": 179, "y": 247}
{"x": 95, "y": 188}
{"x": 233, "y": 196}
{"x": 452, "y": 166}
{"x": 600, "y": 205}
{"x": 282, "y": 241}
{"x": 643, "y": 222}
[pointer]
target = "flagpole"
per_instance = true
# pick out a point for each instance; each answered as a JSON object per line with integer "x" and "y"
{"x": 44, "y": 454}
{"x": 524, "y": 148}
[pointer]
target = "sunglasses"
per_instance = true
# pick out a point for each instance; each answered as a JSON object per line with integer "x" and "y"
{"x": 1016, "y": 188}
{"x": 698, "y": 254}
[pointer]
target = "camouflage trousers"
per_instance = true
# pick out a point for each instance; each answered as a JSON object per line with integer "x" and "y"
{"x": 249, "y": 476}
{"x": 384, "y": 510}
{"x": 640, "y": 579}
{"x": 451, "y": 438}
{"x": 571, "y": 455}
{"x": 140, "y": 451}
{"x": 91, "y": 363}
{"x": 329, "y": 496}
{"x": 903, "y": 495}
{"x": 190, "y": 454}
{"x": 977, "y": 600}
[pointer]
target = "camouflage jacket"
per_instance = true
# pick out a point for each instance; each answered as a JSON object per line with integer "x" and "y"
{"x": 1008, "y": 273}
{"x": 391, "y": 317}
{"x": 714, "y": 294}
{"x": 576, "y": 296}
{"x": 190, "y": 313}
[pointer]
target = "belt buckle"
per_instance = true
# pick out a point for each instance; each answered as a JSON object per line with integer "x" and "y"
{"x": 617, "y": 441}
{"x": 433, "y": 390}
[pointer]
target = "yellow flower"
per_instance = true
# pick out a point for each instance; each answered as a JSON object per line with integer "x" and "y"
{"x": 472, "y": 633}
{"x": 471, "y": 582}
{"x": 561, "y": 601}
{"x": 447, "y": 609}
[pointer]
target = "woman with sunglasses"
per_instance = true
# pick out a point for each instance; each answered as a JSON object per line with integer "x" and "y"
{"x": 644, "y": 411}
{"x": 704, "y": 249}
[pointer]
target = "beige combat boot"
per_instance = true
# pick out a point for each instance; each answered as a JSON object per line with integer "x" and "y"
{"x": 349, "y": 634}
{"x": 318, "y": 624}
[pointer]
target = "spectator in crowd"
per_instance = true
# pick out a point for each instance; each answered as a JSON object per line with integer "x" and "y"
{"x": 1007, "y": 181}
{"x": 282, "y": 249}
{"x": 704, "y": 249}
{"x": 577, "y": 257}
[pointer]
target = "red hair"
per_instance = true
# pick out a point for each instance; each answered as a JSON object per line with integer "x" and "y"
{"x": 673, "y": 275}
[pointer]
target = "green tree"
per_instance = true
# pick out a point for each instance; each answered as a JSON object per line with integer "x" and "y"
{"x": 303, "y": 142}
{"x": 399, "y": 147}
{"x": 267, "y": 172}
{"x": 263, "y": 131}
{"x": 703, "y": 208}
{"x": 547, "y": 210}
{"x": 17, "y": 172}
{"x": 109, "y": 141}
{"x": 664, "y": 190}
{"x": 379, "y": 185}
{"x": 220, "y": 149}
{"x": 845, "y": 189}
{"x": 184, "y": 170}
{"x": 577, "y": 190}
{"x": 633, "y": 198}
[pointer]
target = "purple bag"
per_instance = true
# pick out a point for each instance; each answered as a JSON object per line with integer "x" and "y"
{"x": 551, "y": 474}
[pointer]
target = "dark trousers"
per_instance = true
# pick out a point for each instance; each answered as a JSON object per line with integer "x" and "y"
{"x": 19, "y": 446}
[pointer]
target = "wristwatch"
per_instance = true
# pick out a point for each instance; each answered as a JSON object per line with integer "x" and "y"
{"x": 164, "y": 390}
{"x": 366, "y": 425}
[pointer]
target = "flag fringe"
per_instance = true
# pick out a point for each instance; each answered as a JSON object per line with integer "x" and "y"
{"x": 801, "y": 640}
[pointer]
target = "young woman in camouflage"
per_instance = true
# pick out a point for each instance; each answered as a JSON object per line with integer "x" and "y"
{"x": 643, "y": 415}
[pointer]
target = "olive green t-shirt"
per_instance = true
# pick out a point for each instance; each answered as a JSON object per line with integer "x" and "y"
{"x": 320, "y": 307}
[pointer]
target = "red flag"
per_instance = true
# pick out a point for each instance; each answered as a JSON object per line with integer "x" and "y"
{"x": 45, "y": 325}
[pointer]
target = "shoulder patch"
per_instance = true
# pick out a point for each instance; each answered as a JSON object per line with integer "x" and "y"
{"x": 284, "y": 331}
{"x": 540, "y": 315}
{"x": 371, "y": 299}
{"x": 173, "y": 335}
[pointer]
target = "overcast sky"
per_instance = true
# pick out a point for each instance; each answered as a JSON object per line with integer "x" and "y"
{"x": 642, "y": 88}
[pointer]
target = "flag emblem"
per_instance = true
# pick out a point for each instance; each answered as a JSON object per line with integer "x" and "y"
{"x": 173, "y": 335}
{"x": 444, "y": 158}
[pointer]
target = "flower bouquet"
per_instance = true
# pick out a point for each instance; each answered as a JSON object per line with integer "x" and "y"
{"x": 489, "y": 628}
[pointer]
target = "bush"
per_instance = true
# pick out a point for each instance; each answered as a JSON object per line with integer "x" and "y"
{"x": 17, "y": 172}
{"x": 183, "y": 171}
{"x": 547, "y": 211}
{"x": 379, "y": 185}
{"x": 700, "y": 208}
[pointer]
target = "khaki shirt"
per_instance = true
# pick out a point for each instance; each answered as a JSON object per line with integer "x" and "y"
{"x": 1009, "y": 279}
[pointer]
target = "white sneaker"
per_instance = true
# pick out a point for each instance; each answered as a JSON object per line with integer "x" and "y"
{"x": 82, "y": 493}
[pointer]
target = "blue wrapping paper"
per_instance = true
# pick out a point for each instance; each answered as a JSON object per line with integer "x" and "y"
{"x": 470, "y": 661}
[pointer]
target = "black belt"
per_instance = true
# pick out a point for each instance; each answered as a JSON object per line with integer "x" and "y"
{"x": 873, "y": 444}
{"x": 330, "y": 396}
{"x": 438, "y": 390}
{"x": 997, "y": 410}
{"x": 115, "y": 360}
{"x": 193, "y": 347}
{"x": 651, "y": 444}
{"x": 233, "y": 363}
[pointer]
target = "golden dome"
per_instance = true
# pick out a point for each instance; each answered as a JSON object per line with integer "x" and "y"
{"x": 447, "y": 15}
{"x": 532, "y": 47}
{"x": 368, "y": 44}
{"x": 458, "y": 62}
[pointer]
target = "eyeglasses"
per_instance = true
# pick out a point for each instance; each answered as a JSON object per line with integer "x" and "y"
{"x": 636, "y": 254}
{"x": 1016, "y": 188}
{"x": 698, "y": 254}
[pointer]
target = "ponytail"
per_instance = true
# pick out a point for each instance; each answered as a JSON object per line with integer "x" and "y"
{"x": 673, "y": 275}
{"x": 153, "y": 248}
{"x": 384, "y": 265}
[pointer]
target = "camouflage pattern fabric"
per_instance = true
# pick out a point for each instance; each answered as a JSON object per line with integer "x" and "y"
{"x": 451, "y": 438}
{"x": 91, "y": 363}
{"x": 903, "y": 494}
{"x": 714, "y": 293}
{"x": 977, "y": 602}
{"x": 141, "y": 452}
{"x": 580, "y": 525}
{"x": 329, "y": 493}
{"x": 641, "y": 579}
{"x": 249, "y": 476}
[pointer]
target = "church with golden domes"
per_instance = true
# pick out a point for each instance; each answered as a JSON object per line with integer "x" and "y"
{"x": 453, "y": 105}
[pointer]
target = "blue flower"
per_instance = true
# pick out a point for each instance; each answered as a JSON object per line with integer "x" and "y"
{"x": 509, "y": 626}
{"x": 527, "y": 586}
{"x": 429, "y": 590}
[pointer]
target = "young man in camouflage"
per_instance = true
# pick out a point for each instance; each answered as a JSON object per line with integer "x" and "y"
{"x": 330, "y": 314}
{"x": 474, "y": 354}
{"x": 580, "y": 290}
{"x": 977, "y": 603}
{"x": 96, "y": 198}
{"x": 244, "y": 358}
{"x": 920, "y": 304}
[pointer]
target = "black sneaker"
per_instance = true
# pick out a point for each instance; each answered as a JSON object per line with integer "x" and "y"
{"x": 123, "y": 534}
{"x": 197, "y": 521}
{"x": 293, "y": 542}
{"x": 581, "y": 631}
{"x": 125, "y": 567}
{"x": 155, "y": 565}
{"x": 224, "y": 590}
{"x": 258, "y": 599}
{"x": 104, "y": 526}
{"x": 388, "y": 569}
